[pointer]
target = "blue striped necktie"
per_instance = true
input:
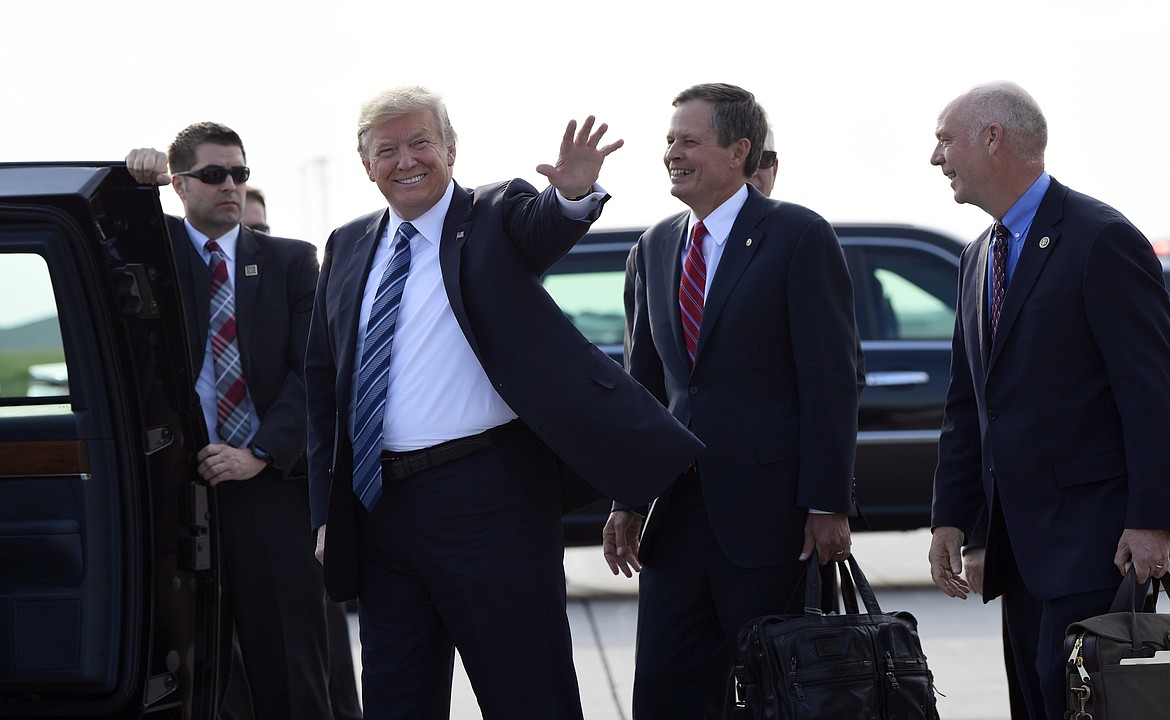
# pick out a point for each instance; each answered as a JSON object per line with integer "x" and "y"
{"x": 370, "y": 402}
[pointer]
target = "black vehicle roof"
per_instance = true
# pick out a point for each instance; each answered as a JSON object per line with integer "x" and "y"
{"x": 19, "y": 180}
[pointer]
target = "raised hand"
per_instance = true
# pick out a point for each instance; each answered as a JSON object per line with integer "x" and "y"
{"x": 580, "y": 159}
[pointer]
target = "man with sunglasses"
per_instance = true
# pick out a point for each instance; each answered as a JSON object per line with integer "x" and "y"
{"x": 764, "y": 179}
{"x": 249, "y": 298}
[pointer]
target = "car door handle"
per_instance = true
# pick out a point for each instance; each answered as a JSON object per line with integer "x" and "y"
{"x": 896, "y": 377}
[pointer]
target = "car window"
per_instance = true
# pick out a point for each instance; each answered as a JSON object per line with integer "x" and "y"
{"x": 32, "y": 357}
{"x": 593, "y": 301}
{"x": 911, "y": 294}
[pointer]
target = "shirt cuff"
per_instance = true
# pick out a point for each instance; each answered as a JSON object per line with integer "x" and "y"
{"x": 582, "y": 208}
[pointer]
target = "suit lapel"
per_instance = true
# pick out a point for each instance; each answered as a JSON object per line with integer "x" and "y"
{"x": 738, "y": 251}
{"x": 351, "y": 273}
{"x": 981, "y": 280}
{"x": 249, "y": 270}
{"x": 1038, "y": 247}
{"x": 672, "y": 271}
{"x": 456, "y": 231}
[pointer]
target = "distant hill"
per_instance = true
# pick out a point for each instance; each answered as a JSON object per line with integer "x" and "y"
{"x": 40, "y": 334}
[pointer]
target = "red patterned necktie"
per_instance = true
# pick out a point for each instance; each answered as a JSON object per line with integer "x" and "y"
{"x": 999, "y": 253}
{"x": 692, "y": 289}
{"x": 231, "y": 412}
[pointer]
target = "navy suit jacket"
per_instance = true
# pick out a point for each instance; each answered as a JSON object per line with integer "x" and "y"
{"x": 773, "y": 391}
{"x": 1059, "y": 427}
{"x": 274, "y": 285}
{"x": 497, "y": 241}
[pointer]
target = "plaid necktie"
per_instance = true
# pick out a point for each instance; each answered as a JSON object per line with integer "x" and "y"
{"x": 370, "y": 402}
{"x": 692, "y": 289}
{"x": 999, "y": 253}
{"x": 231, "y": 414}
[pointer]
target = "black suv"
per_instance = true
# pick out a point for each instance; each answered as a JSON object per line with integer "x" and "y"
{"x": 905, "y": 281}
{"x": 109, "y": 596}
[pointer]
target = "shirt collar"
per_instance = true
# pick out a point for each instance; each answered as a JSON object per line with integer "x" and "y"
{"x": 430, "y": 223}
{"x": 722, "y": 218}
{"x": 1019, "y": 218}
{"x": 227, "y": 242}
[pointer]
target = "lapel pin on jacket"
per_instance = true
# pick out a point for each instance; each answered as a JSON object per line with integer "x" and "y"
{"x": 251, "y": 270}
{"x": 459, "y": 235}
{"x": 1044, "y": 242}
{"x": 749, "y": 242}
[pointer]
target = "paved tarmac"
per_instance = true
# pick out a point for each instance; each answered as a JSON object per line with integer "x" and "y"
{"x": 961, "y": 638}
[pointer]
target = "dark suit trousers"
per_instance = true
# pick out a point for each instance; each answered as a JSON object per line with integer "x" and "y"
{"x": 692, "y": 601}
{"x": 1021, "y": 636}
{"x": 469, "y": 555}
{"x": 343, "y": 695}
{"x": 1034, "y": 641}
{"x": 275, "y": 594}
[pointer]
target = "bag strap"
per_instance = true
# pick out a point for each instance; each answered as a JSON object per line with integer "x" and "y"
{"x": 1127, "y": 600}
{"x": 1152, "y": 599}
{"x": 848, "y": 589}
{"x": 853, "y": 584}
{"x": 1129, "y": 592}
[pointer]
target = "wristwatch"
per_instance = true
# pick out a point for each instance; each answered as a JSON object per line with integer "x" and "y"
{"x": 260, "y": 453}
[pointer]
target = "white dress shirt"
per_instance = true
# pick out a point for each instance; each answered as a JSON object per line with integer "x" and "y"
{"x": 437, "y": 390}
{"x": 718, "y": 225}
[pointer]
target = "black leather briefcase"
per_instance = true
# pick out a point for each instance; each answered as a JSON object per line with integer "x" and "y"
{"x": 821, "y": 665}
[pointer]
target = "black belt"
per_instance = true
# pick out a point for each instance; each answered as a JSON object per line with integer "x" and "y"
{"x": 402, "y": 465}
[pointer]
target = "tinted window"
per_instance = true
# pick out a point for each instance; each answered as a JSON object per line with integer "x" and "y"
{"x": 32, "y": 358}
{"x": 593, "y": 301}
{"x": 910, "y": 295}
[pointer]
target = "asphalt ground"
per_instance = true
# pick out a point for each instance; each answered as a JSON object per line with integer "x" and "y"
{"x": 960, "y": 638}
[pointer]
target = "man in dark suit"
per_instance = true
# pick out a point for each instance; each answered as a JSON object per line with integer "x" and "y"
{"x": 249, "y": 298}
{"x": 765, "y": 376}
{"x": 448, "y": 399}
{"x": 1060, "y": 394}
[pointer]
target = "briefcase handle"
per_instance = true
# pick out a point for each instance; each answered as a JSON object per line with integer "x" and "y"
{"x": 853, "y": 584}
{"x": 1127, "y": 598}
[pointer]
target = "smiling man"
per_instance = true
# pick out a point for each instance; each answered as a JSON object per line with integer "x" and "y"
{"x": 1051, "y": 454}
{"x": 739, "y": 318}
{"x": 451, "y": 406}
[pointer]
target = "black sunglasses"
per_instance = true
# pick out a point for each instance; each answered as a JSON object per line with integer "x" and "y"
{"x": 216, "y": 174}
{"x": 261, "y": 227}
{"x": 767, "y": 159}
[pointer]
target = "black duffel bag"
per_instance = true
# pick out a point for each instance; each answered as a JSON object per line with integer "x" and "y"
{"x": 822, "y": 665}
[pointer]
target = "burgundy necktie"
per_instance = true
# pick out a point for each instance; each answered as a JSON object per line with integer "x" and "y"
{"x": 999, "y": 253}
{"x": 692, "y": 289}
{"x": 232, "y": 422}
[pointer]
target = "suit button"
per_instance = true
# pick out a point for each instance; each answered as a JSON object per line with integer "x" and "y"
{"x": 991, "y": 415}
{"x": 694, "y": 390}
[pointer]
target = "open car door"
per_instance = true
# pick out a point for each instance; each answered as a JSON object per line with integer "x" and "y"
{"x": 109, "y": 597}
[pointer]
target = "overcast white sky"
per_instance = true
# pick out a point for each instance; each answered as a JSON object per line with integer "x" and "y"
{"x": 852, "y": 88}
